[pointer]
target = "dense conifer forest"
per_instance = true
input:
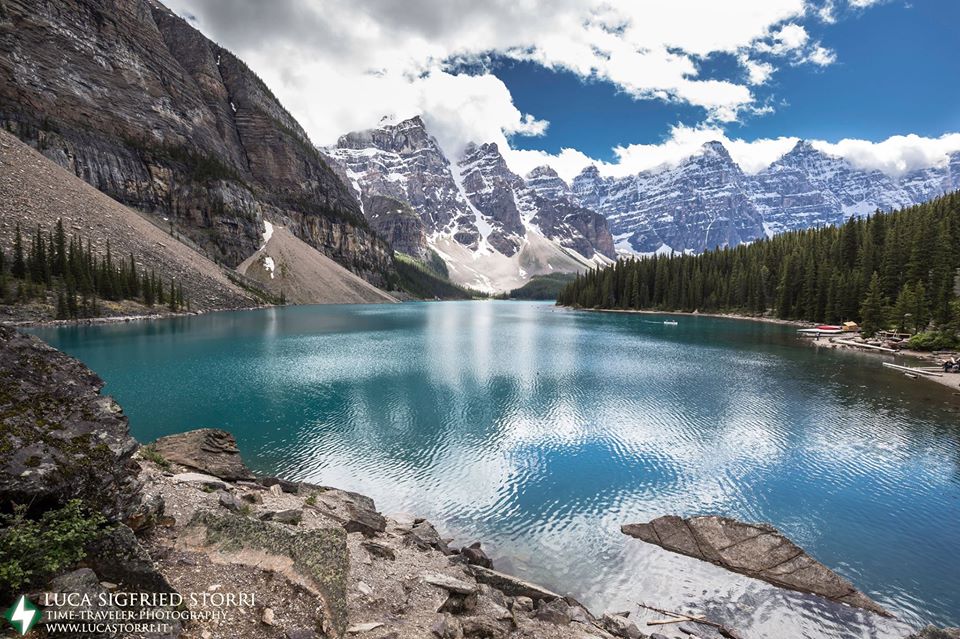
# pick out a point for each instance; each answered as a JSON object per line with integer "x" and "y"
{"x": 889, "y": 271}
{"x": 45, "y": 263}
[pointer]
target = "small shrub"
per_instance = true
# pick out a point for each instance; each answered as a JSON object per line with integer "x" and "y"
{"x": 311, "y": 500}
{"x": 933, "y": 341}
{"x": 150, "y": 453}
{"x": 32, "y": 550}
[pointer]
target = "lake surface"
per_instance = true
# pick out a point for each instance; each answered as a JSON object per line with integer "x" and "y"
{"x": 541, "y": 430}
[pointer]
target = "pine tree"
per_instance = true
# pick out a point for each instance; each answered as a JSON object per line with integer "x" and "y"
{"x": 872, "y": 309}
{"x": 19, "y": 267}
{"x": 60, "y": 250}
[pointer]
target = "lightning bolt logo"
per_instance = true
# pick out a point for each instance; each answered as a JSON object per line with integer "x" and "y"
{"x": 23, "y": 615}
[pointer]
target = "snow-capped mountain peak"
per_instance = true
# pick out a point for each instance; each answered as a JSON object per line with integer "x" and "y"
{"x": 706, "y": 201}
{"x": 493, "y": 229}
{"x": 548, "y": 184}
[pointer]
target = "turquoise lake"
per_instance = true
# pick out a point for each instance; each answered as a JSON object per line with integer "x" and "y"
{"x": 539, "y": 431}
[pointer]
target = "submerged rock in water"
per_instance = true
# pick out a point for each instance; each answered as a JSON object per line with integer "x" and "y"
{"x": 755, "y": 550}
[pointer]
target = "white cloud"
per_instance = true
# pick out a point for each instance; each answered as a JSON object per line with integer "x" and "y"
{"x": 820, "y": 56}
{"x": 894, "y": 156}
{"x": 682, "y": 143}
{"x": 757, "y": 72}
{"x": 339, "y": 65}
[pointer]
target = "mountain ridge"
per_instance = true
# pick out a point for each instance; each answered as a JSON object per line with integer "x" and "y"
{"x": 492, "y": 228}
{"x": 707, "y": 201}
{"x": 192, "y": 136}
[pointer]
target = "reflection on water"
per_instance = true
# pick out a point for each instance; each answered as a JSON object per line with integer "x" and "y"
{"x": 540, "y": 431}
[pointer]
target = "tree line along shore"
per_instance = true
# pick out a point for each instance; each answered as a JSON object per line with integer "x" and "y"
{"x": 890, "y": 271}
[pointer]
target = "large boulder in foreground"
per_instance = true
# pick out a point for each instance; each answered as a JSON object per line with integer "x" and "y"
{"x": 208, "y": 450}
{"x": 755, "y": 550}
{"x": 59, "y": 438}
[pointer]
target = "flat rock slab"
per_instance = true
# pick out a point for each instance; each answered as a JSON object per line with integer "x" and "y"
{"x": 755, "y": 550}
{"x": 448, "y": 583}
{"x": 207, "y": 450}
{"x": 511, "y": 586}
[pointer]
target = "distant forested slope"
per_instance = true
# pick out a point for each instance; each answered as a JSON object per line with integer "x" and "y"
{"x": 896, "y": 270}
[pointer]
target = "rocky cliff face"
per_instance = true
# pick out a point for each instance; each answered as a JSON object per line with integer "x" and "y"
{"x": 491, "y": 187}
{"x": 474, "y": 209}
{"x": 699, "y": 205}
{"x": 59, "y": 438}
{"x": 404, "y": 162}
{"x": 397, "y": 223}
{"x": 708, "y": 202}
{"x": 139, "y": 104}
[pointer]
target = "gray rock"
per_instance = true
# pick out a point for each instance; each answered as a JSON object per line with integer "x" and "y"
{"x": 450, "y": 584}
{"x": 206, "y": 450}
{"x": 931, "y": 632}
{"x": 474, "y": 554}
{"x": 148, "y": 514}
{"x": 363, "y": 520}
{"x": 82, "y": 582}
{"x": 424, "y": 536}
{"x": 554, "y": 612}
{"x": 285, "y": 485}
{"x": 379, "y": 550}
{"x": 230, "y": 501}
{"x": 319, "y": 555}
{"x": 522, "y": 604}
{"x": 301, "y": 633}
{"x": 59, "y": 438}
{"x": 620, "y": 626}
{"x": 755, "y": 550}
{"x": 117, "y": 556}
{"x": 482, "y": 627}
{"x": 446, "y": 626}
{"x": 364, "y": 627}
{"x": 292, "y": 516}
{"x": 512, "y": 586}
{"x": 252, "y": 497}
{"x": 206, "y": 481}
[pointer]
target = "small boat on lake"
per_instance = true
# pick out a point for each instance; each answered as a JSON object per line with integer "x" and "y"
{"x": 670, "y": 322}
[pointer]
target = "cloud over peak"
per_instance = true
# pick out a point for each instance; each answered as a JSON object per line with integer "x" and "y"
{"x": 340, "y": 64}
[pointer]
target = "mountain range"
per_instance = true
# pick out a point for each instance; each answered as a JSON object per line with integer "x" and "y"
{"x": 707, "y": 201}
{"x": 492, "y": 228}
{"x": 133, "y": 100}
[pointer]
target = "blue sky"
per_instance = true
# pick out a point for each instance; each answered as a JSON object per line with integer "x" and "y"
{"x": 897, "y": 72}
{"x": 627, "y": 85}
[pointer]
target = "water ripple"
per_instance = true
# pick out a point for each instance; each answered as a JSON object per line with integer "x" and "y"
{"x": 540, "y": 431}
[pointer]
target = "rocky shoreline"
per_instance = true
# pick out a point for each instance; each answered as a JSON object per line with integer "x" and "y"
{"x": 196, "y": 539}
{"x": 186, "y": 517}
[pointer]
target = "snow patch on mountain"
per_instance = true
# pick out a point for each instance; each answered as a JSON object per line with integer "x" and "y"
{"x": 708, "y": 202}
{"x": 493, "y": 228}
